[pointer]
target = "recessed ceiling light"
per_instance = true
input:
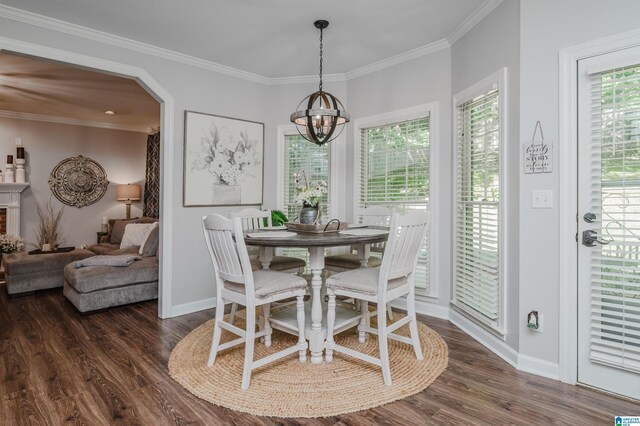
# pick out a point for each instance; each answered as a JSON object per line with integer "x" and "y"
{"x": 110, "y": 112}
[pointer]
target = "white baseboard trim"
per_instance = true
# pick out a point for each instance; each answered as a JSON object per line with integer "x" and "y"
{"x": 191, "y": 307}
{"x": 538, "y": 367}
{"x": 424, "y": 307}
{"x": 486, "y": 339}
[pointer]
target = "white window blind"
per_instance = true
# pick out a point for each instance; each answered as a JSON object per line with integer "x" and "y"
{"x": 304, "y": 156}
{"x": 477, "y": 257}
{"x": 394, "y": 172}
{"x": 615, "y": 197}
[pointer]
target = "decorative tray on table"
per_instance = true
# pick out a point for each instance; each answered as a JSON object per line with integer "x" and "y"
{"x": 332, "y": 226}
{"x": 57, "y": 250}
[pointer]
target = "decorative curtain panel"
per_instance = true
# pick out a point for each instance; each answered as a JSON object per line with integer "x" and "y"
{"x": 152, "y": 177}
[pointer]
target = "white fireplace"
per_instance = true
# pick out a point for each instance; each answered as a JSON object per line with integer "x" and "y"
{"x": 10, "y": 194}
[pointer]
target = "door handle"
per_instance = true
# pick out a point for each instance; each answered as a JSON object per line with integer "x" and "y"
{"x": 589, "y": 217}
{"x": 590, "y": 239}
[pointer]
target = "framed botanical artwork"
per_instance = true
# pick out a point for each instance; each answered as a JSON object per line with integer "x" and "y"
{"x": 223, "y": 160}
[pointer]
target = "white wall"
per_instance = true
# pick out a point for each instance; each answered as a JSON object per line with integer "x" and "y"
{"x": 192, "y": 88}
{"x": 122, "y": 154}
{"x": 489, "y": 46}
{"x": 419, "y": 81}
{"x": 546, "y": 27}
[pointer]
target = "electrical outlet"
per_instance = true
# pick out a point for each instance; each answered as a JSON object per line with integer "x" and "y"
{"x": 19, "y": 141}
{"x": 535, "y": 321}
{"x": 540, "y": 328}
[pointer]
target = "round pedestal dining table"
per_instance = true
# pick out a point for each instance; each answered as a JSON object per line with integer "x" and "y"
{"x": 315, "y": 243}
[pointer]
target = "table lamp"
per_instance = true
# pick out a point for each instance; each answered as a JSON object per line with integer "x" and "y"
{"x": 128, "y": 193}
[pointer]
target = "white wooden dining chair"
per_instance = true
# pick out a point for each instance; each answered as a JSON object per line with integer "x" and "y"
{"x": 393, "y": 279}
{"x": 259, "y": 219}
{"x": 251, "y": 219}
{"x": 238, "y": 283}
{"x": 371, "y": 215}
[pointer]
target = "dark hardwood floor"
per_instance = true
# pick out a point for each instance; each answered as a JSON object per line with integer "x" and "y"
{"x": 58, "y": 367}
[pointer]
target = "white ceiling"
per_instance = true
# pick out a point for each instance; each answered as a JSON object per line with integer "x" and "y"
{"x": 49, "y": 91}
{"x": 259, "y": 39}
{"x": 271, "y": 38}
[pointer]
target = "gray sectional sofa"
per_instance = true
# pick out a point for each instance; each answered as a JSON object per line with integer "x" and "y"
{"x": 95, "y": 287}
{"x": 100, "y": 287}
{"x": 25, "y": 274}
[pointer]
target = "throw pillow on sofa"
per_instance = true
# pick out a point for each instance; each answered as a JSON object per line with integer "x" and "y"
{"x": 150, "y": 246}
{"x": 135, "y": 234}
{"x": 116, "y": 231}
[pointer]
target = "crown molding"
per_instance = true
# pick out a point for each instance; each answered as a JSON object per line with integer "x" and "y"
{"x": 368, "y": 69}
{"x": 114, "y": 40}
{"x": 71, "y": 121}
{"x": 308, "y": 79}
{"x": 478, "y": 15}
{"x": 427, "y": 49}
{"x": 125, "y": 43}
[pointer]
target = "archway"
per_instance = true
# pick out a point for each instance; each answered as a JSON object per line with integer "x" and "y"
{"x": 166, "y": 135}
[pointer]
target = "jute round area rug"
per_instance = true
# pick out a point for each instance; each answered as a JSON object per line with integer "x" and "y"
{"x": 287, "y": 388}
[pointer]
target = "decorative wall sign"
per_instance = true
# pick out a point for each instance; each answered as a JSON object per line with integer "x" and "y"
{"x": 78, "y": 181}
{"x": 538, "y": 155}
{"x": 223, "y": 160}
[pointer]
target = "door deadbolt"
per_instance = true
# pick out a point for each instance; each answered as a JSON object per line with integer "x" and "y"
{"x": 590, "y": 239}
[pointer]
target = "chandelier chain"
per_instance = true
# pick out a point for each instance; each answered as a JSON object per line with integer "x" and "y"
{"x": 320, "y": 86}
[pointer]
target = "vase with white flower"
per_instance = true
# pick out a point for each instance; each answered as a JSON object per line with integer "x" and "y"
{"x": 309, "y": 195}
{"x": 10, "y": 244}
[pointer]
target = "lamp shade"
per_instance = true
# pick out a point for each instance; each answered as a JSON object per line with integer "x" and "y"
{"x": 128, "y": 192}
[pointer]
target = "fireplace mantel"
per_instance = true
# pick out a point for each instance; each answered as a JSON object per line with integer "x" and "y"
{"x": 10, "y": 200}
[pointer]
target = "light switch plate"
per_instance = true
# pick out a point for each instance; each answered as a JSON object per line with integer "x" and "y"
{"x": 542, "y": 199}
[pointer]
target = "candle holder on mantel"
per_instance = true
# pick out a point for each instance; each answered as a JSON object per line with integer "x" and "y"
{"x": 21, "y": 176}
{"x": 8, "y": 173}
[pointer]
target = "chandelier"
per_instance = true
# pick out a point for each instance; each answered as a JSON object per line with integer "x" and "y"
{"x": 320, "y": 117}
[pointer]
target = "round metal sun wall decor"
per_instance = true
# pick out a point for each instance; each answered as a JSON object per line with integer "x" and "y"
{"x": 78, "y": 181}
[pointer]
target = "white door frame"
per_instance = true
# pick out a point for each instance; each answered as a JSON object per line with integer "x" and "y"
{"x": 166, "y": 150}
{"x": 568, "y": 197}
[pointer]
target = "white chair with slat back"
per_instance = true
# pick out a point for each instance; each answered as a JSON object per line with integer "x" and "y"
{"x": 393, "y": 279}
{"x": 251, "y": 219}
{"x": 236, "y": 282}
{"x": 371, "y": 215}
{"x": 259, "y": 219}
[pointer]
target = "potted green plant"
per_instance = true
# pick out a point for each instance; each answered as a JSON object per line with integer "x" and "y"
{"x": 278, "y": 218}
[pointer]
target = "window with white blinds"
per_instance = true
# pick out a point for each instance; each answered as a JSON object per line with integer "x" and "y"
{"x": 615, "y": 197}
{"x": 478, "y": 288}
{"x": 394, "y": 172}
{"x": 304, "y": 156}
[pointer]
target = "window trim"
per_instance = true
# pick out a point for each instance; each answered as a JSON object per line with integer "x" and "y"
{"x": 411, "y": 113}
{"x": 283, "y": 131}
{"x": 481, "y": 87}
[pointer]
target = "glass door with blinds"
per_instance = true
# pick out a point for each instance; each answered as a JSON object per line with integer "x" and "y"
{"x": 608, "y": 217}
{"x": 395, "y": 173}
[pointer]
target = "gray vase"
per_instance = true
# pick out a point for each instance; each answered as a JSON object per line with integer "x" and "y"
{"x": 309, "y": 215}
